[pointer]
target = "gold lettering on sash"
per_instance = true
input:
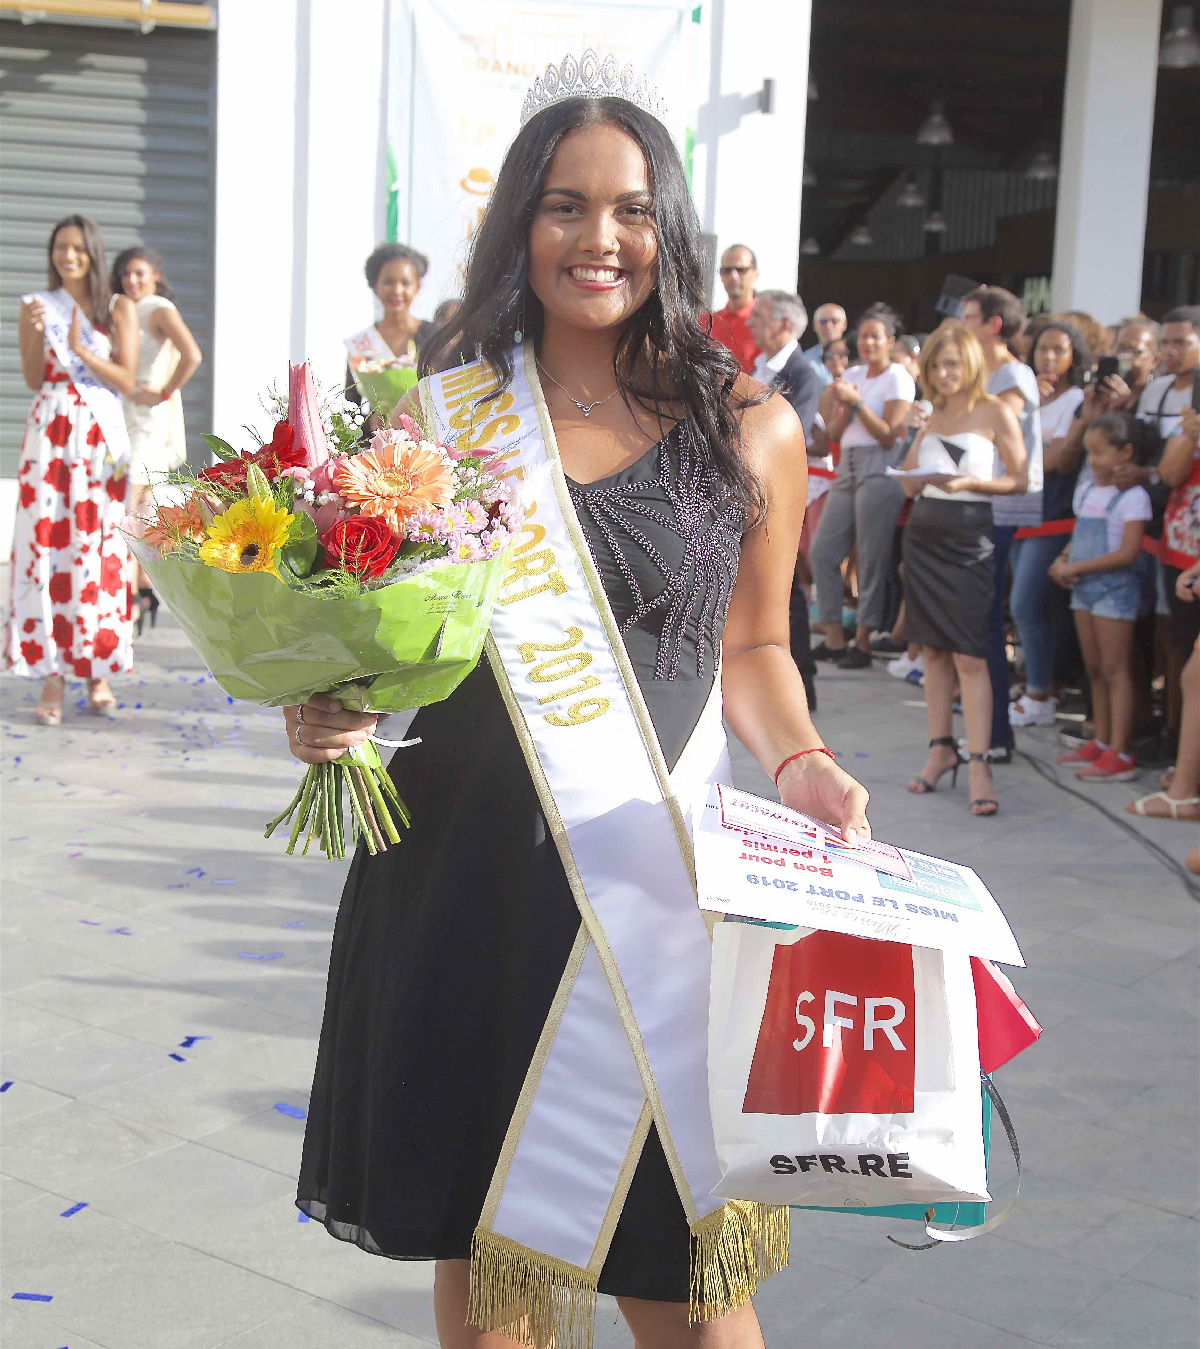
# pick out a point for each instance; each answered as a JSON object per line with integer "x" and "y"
{"x": 564, "y": 664}
{"x": 553, "y": 582}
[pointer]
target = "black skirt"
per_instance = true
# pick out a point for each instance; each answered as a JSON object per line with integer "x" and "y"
{"x": 949, "y": 568}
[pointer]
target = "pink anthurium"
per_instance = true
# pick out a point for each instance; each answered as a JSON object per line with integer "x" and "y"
{"x": 304, "y": 415}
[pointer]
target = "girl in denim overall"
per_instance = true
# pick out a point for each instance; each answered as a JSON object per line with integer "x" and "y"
{"x": 1099, "y": 567}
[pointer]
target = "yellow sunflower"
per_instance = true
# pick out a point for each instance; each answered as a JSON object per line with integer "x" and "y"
{"x": 245, "y": 537}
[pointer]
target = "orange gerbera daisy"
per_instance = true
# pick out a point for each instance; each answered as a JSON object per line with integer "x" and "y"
{"x": 173, "y": 524}
{"x": 395, "y": 482}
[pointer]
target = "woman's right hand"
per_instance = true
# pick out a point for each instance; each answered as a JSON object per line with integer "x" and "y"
{"x": 918, "y": 415}
{"x": 35, "y": 313}
{"x": 322, "y": 731}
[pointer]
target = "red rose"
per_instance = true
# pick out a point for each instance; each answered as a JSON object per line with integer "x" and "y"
{"x": 31, "y": 652}
{"x": 112, "y": 575}
{"x": 95, "y": 436}
{"x": 87, "y": 517}
{"x": 89, "y": 593}
{"x": 58, "y": 430}
{"x": 58, "y": 474}
{"x": 60, "y": 587}
{"x": 61, "y": 632}
{"x": 28, "y": 494}
{"x": 115, "y": 487}
{"x": 105, "y": 643}
{"x": 363, "y": 544}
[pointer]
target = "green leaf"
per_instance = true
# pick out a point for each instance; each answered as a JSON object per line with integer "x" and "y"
{"x": 257, "y": 485}
{"x": 221, "y": 448}
{"x": 299, "y": 553}
{"x": 284, "y": 492}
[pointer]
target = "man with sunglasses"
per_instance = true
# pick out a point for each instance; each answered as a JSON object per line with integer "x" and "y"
{"x": 829, "y": 324}
{"x": 739, "y": 272}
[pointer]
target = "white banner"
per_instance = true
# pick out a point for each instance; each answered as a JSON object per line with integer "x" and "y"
{"x": 459, "y": 71}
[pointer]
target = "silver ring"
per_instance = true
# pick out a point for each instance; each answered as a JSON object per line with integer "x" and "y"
{"x": 300, "y": 714}
{"x": 298, "y": 740}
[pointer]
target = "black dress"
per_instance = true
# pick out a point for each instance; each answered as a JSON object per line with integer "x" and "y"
{"x": 448, "y": 949}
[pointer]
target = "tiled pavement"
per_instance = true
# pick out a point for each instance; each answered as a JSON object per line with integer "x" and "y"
{"x": 116, "y": 950}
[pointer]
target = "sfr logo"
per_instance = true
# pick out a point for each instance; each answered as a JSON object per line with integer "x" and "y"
{"x": 862, "y": 1061}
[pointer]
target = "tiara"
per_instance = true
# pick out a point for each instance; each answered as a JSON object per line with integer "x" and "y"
{"x": 590, "y": 77}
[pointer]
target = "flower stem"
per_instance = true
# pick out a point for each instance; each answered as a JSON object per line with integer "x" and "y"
{"x": 360, "y": 783}
{"x": 356, "y": 806}
{"x": 303, "y": 809}
{"x": 381, "y": 810}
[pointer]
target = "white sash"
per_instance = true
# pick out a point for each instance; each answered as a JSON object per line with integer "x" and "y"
{"x": 368, "y": 346}
{"x": 624, "y": 1044}
{"x": 103, "y": 403}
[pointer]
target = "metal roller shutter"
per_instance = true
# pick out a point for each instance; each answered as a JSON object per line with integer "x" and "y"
{"x": 119, "y": 126}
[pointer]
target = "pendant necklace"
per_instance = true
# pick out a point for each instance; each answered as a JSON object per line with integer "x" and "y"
{"x": 585, "y": 408}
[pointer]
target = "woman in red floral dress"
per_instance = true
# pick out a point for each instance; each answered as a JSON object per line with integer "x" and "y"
{"x": 69, "y": 608}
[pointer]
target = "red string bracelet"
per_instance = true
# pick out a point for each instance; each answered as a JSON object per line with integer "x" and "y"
{"x": 819, "y": 749}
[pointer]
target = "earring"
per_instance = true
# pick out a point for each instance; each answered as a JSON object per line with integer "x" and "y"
{"x": 519, "y": 336}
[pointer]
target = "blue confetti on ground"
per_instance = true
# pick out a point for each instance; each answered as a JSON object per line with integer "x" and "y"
{"x": 92, "y": 922}
{"x": 120, "y": 931}
{"x": 292, "y": 1111}
{"x": 178, "y": 1058}
{"x": 194, "y": 871}
{"x": 254, "y": 955}
{"x": 861, "y": 754}
{"x": 33, "y": 1297}
{"x": 4, "y": 1086}
{"x": 189, "y": 1040}
{"x": 180, "y": 885}
{"x": 73, "y": 1209}
{"x": 229, "y": 882}
{"x": 295, "y": 924}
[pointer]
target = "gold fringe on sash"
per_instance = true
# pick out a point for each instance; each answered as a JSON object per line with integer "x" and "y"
{"x": 530, "y": 1297}
{"x": 733, "y": 1248}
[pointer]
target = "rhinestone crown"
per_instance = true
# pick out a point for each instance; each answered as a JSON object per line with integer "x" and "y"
{"x": 591, "y": 77}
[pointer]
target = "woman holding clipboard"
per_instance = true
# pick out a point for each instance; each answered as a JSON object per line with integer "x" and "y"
{"x": 69, "y": 609}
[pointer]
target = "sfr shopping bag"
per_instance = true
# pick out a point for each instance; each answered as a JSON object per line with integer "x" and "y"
{"x": 843, "y": 1071}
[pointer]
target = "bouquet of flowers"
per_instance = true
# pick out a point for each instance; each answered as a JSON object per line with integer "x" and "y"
{"x": 384, "y": 383}
{"x": 313, "y": 564}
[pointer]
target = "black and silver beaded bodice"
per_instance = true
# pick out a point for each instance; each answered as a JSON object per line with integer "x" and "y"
{"x": 666, "y": 535}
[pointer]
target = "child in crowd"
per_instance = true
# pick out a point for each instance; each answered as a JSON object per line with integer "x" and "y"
{"x": 1099, "y": 568}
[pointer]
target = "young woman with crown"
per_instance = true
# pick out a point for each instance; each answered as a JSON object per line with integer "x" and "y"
{"x": 512, "y": 1074}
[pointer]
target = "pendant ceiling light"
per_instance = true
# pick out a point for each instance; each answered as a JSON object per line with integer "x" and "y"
{"x": 910, "y": 195}
{"x": 935, "y": 129}
{"x": 860, "y": 237}
{"x": 810, "y": 248}
{"x": 810, "y": 178}
{"x": 1042, "y": 168}
{"x": 1180, "y": 45}
{"x": 935, "y": 223}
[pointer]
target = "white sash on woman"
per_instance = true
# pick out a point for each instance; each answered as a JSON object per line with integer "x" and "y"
{"x": 624, "y": 1044}
{"x": 368, "y": 346}
{"x": 102, "y": 402}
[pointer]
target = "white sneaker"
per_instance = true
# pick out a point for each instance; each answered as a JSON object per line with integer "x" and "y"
{"x": 901, "y": 667}
{"x": 1027, "y": 711}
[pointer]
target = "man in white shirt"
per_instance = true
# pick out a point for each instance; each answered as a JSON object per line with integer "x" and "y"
{"x": 1163, "y": 399}
{"x": 829, "y": 323}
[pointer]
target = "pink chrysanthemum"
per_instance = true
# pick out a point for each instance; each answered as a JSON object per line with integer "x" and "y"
{"x": 464, "y": 548}
{"x": 474, "y": 516}
{"x": 428, "y": 527}
{"x": 395, "y": 481}
{"x": 494, "y": 541}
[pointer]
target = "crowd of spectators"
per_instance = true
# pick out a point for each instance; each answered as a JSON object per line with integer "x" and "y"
{"x": 1007, "y": 511}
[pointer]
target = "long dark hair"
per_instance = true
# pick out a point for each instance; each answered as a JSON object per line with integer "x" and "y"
{"x": 150, "y": 255}
{"x": 1081, "y": 354}
{"x": 98, "y": 294}
{"x": 663, "y": 355}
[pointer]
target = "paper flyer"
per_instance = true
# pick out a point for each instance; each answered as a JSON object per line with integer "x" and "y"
{"x": 757, "y": 859}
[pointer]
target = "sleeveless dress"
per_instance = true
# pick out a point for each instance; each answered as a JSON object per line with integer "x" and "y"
{"x": 448, "y": 948}
{"x": 156, "y": 435}
{"x": 69, "y": 600}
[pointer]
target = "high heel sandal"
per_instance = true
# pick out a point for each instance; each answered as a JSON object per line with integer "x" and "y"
{"x": 100, "y": 707}
{"x": 50, "y": 714}
{"x": 922, "y": 786}
{"x": 983, "y": 800}
{"x": 147, "y": 599}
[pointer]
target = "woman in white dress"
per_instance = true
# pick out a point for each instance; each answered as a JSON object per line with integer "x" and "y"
{"x": 167, "y": 359}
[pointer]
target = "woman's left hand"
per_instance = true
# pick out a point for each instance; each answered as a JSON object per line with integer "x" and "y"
{"x": 816, "y": 786}
{"x": 73, "y": 339}
{"x": 146, "y": 397}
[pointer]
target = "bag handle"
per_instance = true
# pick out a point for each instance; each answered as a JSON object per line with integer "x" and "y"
{"x": 941, "y": 1235}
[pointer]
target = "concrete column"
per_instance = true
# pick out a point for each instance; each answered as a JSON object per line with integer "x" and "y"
{"x": 1104, "y": 165}
{"x": 748, "y": 164}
